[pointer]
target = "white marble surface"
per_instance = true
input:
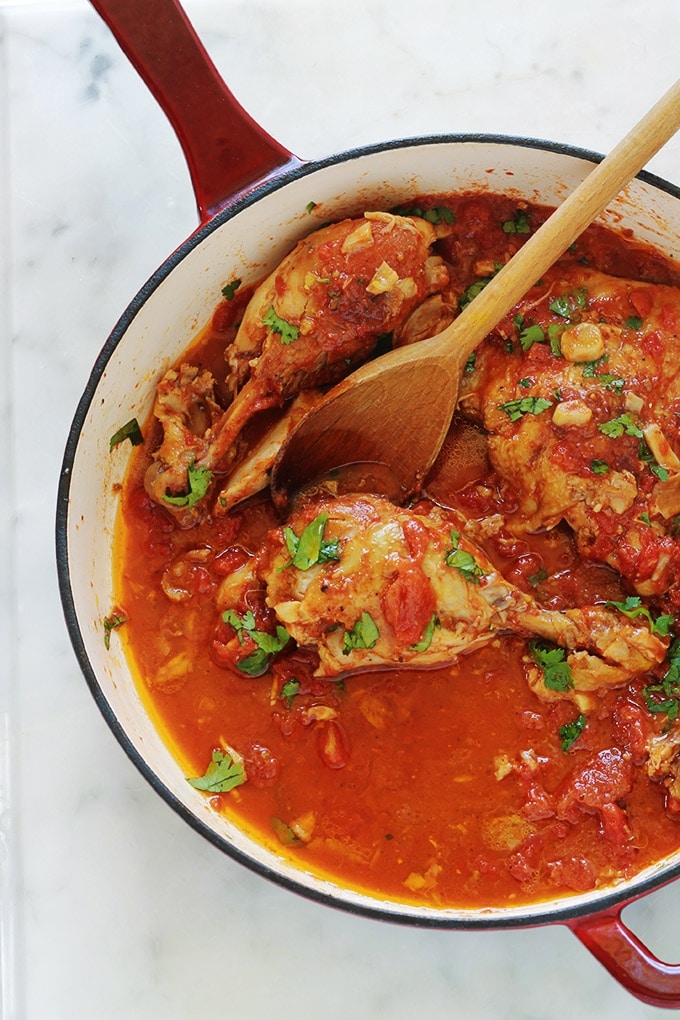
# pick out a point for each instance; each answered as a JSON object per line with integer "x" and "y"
{"x": 111, "y": 907}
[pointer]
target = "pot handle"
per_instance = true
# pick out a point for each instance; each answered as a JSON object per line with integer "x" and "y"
{"x": 629, "y": 961}
{"x": 226, "y": 150}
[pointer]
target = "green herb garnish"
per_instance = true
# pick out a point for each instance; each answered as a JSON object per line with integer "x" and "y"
{"x": 289, "y": 690}
{"x": 131, "y": 431}
{"x": 568, "y": 305}
{"x": 599, "y": 467}
{"x": 112, "y": 622}
{"x": 516, "y": 409}
{"x": 572, "y": 731}
{"x": 222, "y": 774}
{"x": 286, "y": 330}
{"x": 363, "y": 634}
{"x": 230, "y": 289}
{"x": 428, "y": 633}
{"x": 624, "y": 425}
{"x": 257, "y": 662}
{"x": 553, "y": 661}
{"x": 471, "y": 292}
{"x": 632, "y": 607}
{"x": 434, "y": 214}
{"x": 634, "y": 322}
{"x": 198, "y": 479}
{"x": 310, "y": 548}
{"x": 647, "y": 457}
{"x": 519, "y": 224}
{"x": 664, "y": 697}
{"x": 463, "y": 561}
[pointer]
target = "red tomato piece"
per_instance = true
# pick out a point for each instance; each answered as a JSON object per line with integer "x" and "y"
{"x": 408, "y": 603}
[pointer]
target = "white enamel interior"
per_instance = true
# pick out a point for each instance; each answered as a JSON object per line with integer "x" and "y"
{"x": 245, "y": 245}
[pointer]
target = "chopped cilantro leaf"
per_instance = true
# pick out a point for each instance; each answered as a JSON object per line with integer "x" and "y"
{"x": 519, "y": 224}
{"x": 286, "y": 330}
{"x": 633, "y": 607}
{"x": 664, "y": 697}
{"x": 568, "y": 305}
{"x": 572, "y": 731}
{"x": 531, "y": 335}
{"x": 222, "y": 774}
{"x": 624, "y": 425}
{"x": 311, "y": 548}
{"x": 463, "y": 561}
{"x": 435, "y": 214}
{"x": 646, "y": 455}
{"x": 516, "y": 409}
{"x": 289, "y": 690}
{"x": 230, "y": 289}
{"x": 267, "y": 645}
{"x": 599, "y": 467}
{"x": 553, "y": 661}
{"x": 199, "y": 479}
{"x": 471, "y": 292}
{"x": 634, "y": 322}
{"x": 363, "y": 634}
{"x": 428, "y": 633}
{"x": 112, "y": 622}
{"x": 131, "y": 431}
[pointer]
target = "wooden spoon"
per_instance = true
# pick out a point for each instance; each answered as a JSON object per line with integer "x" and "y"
{"x": 396, "y": 410}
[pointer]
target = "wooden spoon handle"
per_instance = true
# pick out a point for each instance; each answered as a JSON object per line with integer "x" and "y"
{"x": 562, "y": 228}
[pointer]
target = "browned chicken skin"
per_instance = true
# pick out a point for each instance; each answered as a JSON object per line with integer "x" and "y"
{"x": 407, "y": 587}
{"x": 318, "y": 315}
{"x": 579, "y": 391}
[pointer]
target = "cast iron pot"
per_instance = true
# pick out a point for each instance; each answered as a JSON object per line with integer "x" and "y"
{"x": 252, "y": 195}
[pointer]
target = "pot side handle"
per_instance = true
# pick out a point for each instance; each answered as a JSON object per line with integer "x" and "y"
{"x": 227, "y": 152}
{"x": 629, "y": 961}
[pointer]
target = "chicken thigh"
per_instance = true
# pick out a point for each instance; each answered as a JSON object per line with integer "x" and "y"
{"x": 368, "y": 584}
{"x": 579, "y": 391}
{"x": 319, "y": 314}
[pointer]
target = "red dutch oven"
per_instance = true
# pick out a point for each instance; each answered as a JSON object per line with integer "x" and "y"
{"x": 252, "y": 195}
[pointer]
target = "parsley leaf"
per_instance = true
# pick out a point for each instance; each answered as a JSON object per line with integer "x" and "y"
{"x": 112, "y": 622}
{"x": 568, "y": 305}
{"x": 286, "y": 330}
{"x": 516, "y": 409}
{"x": 222, "y": 774}
{"x": 519, "y": 224}
{"x": 647, "y": 457}
{"x": 257, "y": 662}
{"x": 199, "y": 479}
{"x": 553, "y": 661}
{"x": 230, "y": 289}
{"x": 572, "y": 731}
{"x": 131, "y": 431}
{"x": 471, "y": 292}
{"x": 363, "y": 634}
{"x": 463, "y": 561}
{"x": 428, "y": 633}
{"x": 289, "y": 690}
{"x": 633, "y": 607}
{"x": 310, "y": 548}
{"x": 664, "y": 697}
{"x": 624, "y": 425}
{"x": 435, "y": 214}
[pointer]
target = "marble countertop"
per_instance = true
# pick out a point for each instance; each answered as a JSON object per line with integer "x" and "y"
{"x": 111, "y": 908}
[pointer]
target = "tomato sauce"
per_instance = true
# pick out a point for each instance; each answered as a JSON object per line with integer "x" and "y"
{"x": 445, "y": 787}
